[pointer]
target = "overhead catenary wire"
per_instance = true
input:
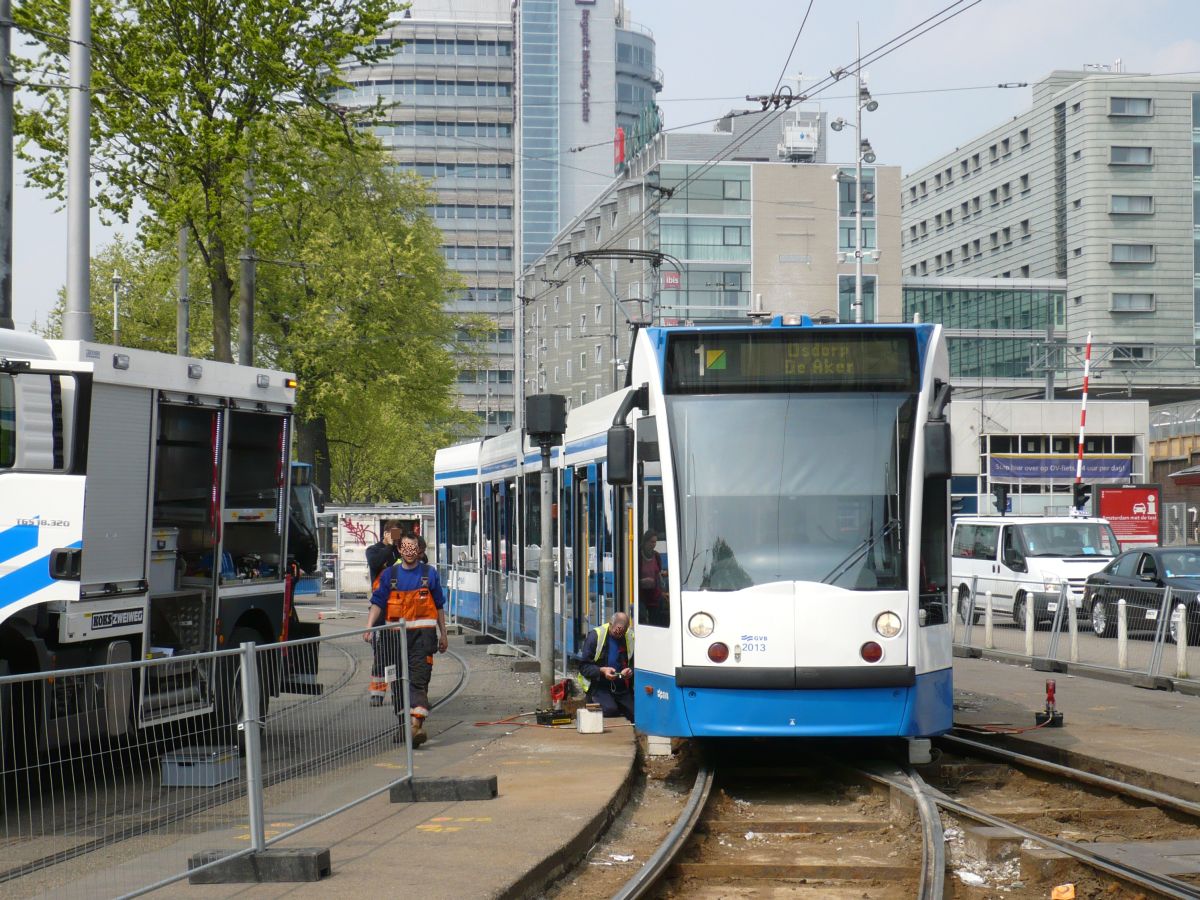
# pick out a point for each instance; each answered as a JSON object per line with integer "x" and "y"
{"x": 883, "y": 50}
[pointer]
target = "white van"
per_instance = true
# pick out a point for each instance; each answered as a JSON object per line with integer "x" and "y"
{"x": 1024, "y": 560}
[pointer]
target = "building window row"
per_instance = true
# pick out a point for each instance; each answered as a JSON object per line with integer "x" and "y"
{"x": 466, "y": 252}
{"x": 485, "y": 376}
{"x": 969, "y": 165}
{"x": 1123, "y": 301}
{"x": 1131, "y": 204}
{"x": 1141, "y": 107}
{"x": 447, "y": 211}
{"x": 446, "y": 47}
{"x": 443, "y": 129}
{"x": 1130, "y": 156}
{"x": 457, "y": 170}
{"x": 1131, "y": 253}
{"x": 635, "y": 53}
{"x": 429, "y": 87}
{"x": 488, "y": 295}
{"x": 968, "y": 209}
{"x": 499, "y": 336}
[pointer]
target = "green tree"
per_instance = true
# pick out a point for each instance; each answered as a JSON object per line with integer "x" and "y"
{"x": 148, "y": 297}
{"x": 352, "y": 288}
{"x": 181, "y": 92}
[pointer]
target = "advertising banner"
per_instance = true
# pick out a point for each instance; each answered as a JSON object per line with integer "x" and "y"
{"x": 1057, "y": 467}
{"x": 1133, "y": 511}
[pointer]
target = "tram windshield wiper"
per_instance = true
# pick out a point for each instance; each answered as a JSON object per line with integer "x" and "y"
{"x": 861, "y": 550}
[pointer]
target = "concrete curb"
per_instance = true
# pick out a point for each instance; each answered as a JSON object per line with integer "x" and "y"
{"x": 571, "y": 853}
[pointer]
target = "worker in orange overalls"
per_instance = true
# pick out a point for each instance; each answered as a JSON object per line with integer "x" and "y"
{"x": 410, "y": 590}
{"x": 380, "y": 556}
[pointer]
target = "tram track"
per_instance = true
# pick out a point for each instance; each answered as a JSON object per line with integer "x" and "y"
{"x": 824, "y": 829}
{"x": 183, "y": 811}
{"x": 1078, "y": 814}
{"x": 1047, "y": 823}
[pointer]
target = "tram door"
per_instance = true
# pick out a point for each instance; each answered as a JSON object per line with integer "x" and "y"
{"x": 655, "y": 652}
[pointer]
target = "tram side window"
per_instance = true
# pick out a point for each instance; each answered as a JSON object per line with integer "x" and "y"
{"x": 933, "y": 599}
{"x": 8, "y": 423}
{"x": 460, "y": 515}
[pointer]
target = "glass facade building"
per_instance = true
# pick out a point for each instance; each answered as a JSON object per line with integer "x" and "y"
{"x": 705, "y": 225}
{"x": 994, "y": 330}
{"x": 539, "y": 126}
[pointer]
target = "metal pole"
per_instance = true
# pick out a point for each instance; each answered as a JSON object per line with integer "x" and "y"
{"x": 77, "y": 318}
{"x": 116, "y": 335}
{"x": 182, "y": 311}
{"x": 248, "y": 276}
{"x": 545, "y": 632}
{"x": 6, "y": 165}
{"x": 858, "y": 232}
{"x": 251, "y": 732}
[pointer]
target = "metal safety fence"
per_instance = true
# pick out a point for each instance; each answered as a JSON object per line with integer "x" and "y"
{"x": 504, "y": 605}
{"x": 116, "y": 777}
{"x": 1147, "y": 631}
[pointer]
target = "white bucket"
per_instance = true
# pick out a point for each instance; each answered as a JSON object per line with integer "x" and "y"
{"x": 589, "y": 721}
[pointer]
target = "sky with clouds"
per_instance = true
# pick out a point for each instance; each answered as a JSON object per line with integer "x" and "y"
{"x": 935, "y": 93}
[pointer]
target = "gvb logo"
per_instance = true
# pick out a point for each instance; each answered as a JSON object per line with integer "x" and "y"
{"x": 662, "y": 695}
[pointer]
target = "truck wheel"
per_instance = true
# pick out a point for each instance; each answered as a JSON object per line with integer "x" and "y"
{"x": 228, "y": 699}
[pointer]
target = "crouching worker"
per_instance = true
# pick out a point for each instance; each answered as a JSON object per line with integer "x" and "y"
{"x": 606, "y": 667}
{"x": 410, "y": 590}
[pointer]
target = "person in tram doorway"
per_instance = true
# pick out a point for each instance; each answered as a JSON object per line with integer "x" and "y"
{"x": 410, "y": 590}
{"x": 652, "y": 598}
{"x": 380, "y": 556}
{"x": 606, "y": 667}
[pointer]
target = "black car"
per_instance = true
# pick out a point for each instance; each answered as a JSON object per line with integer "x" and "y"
{"x": 1139, "y": 577}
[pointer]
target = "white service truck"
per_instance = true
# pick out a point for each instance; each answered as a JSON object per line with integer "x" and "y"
{"x": 143, "y": 514}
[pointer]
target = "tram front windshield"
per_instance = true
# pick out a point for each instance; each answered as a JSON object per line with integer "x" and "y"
{"x": 804, "y": 486}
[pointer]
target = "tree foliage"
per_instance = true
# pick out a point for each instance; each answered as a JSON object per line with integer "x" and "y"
{"x": 183, "y": 92}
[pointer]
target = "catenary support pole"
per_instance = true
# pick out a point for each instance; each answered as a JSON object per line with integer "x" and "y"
{"x": 545, "y": 641}
{"x": 183, "y": 304}
{"x": 6, "y": 165}
{"x": 77, "y": 317}
{"x": 248, "y": 276}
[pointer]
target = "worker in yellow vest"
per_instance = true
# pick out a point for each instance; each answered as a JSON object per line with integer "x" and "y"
{"x": 606, "y": 670}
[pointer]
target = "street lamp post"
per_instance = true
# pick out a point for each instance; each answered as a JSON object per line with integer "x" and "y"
{"x": 867, "y": 155}
{"x": 116, "y": 334}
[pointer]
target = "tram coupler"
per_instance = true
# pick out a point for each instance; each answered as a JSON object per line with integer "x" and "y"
{"x": 1049, "y": 717}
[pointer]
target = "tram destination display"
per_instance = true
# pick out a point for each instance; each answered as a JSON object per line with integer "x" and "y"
{"x": 791, "y": 360}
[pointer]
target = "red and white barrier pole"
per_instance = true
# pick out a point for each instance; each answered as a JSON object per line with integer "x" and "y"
{"x": 1087, "y": 366}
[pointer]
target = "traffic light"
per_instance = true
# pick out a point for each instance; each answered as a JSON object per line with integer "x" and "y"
{"x": 1081, "y": 495}
{"x": 1000, "y": 493}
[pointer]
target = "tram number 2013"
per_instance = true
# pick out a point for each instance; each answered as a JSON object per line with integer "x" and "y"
{"x": 753, "y": 643}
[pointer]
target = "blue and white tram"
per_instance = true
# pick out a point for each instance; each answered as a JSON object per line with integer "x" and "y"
{"x": 796, "y": 478}
{"x": 804, "y": 473}
{"x": 457, "y": 486}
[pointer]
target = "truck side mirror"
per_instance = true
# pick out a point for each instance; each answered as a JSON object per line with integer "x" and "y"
{"x": 620, "y": 455}
{"x": 65, "y": 563}
{"x": 937, "y": 449}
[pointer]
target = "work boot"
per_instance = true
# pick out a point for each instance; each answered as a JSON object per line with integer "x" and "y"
{"x": 377, "y": 700}
{"x": 419, "y": 734}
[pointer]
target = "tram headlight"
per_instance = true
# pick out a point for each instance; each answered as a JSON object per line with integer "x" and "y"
{"x": 887, "y": 624}
{"x": 701, "y": 625}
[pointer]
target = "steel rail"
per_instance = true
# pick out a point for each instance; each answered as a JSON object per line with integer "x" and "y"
{"x": 1133, "y": 791}
{"x": 932, "y": 882}
{"x": 1163, "y": 884}
{"x": 171, "y": 818}
{"x": 672, "y": 846}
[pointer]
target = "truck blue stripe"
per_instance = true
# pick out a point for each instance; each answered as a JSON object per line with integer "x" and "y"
{"x": 17, "y": 540}
{"x": 32, "y": 577}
